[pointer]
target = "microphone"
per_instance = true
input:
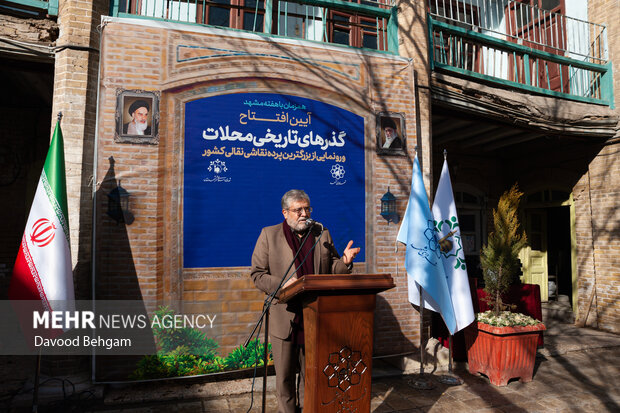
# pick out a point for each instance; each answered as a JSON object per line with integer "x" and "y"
{"x": 331, "y": 249}
{"x": 310, "y": 223}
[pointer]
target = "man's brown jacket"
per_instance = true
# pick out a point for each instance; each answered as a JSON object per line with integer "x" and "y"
{"x": 272, "y": 256}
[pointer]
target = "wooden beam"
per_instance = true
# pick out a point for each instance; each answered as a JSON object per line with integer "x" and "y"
{"x": 506, "y": 132}
{"x": 532, "y": 112}
{"x": 447, "y": 124}
{"x": 461, "y": 134}
{"x": 524, "y": 137}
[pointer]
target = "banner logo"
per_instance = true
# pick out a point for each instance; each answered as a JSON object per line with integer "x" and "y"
{"x": 338, "y": 172}
{"x": 217, "y": 167}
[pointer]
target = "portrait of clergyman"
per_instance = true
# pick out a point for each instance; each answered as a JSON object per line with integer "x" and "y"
{"x": 137, "y": 116}
{"x": 391, "y": 133}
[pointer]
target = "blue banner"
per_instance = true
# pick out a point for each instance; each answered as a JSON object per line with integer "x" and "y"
{"x": 244, "y": 151}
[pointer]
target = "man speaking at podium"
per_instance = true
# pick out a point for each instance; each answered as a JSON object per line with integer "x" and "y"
{"x": 273, "y": 254}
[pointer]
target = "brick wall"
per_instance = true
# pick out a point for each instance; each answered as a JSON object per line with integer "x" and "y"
{"x": 597, "y": 196}
{"x": 173, "y": 62}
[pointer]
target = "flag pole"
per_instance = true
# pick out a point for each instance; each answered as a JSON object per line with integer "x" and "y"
{"x": 450, "y": 354}
{"x": 421, "y": 382}
{"x": 449, "y": 379}
{"x": 37, "y": 369}
{"x": 265, "y": 361}
{"x": 421, "y": 331}
{"x": 35, "y": 392}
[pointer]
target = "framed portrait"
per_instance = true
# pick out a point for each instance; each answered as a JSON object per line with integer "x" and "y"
{"x": 137, "y": 116}
{"x": 391, "y": 136}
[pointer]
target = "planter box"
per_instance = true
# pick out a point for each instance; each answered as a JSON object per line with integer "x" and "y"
{"x": 502, "y": 353}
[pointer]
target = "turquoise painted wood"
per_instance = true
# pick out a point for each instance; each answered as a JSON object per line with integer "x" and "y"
{"x": 531, "y": 83}
{"x": 513, "y": 47}
{"x": 51, "y": 7}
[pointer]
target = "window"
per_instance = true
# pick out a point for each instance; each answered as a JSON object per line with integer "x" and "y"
{"x": 300, "y": 21}
{"x": 358, "y": 31}
{"x": 238, "y": 14}
{"x": 325, "y": 23}
{"x": 251, "y": 20}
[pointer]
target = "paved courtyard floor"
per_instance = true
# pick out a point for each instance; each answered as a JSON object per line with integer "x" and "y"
{"x": 577, "y": 371}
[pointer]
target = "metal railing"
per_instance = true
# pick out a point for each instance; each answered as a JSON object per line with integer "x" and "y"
{"x": 32, "y": 6}
{"x": 493, "y": 41}
{"x": 368, "y": 24}
{"x": 527, "y": 25}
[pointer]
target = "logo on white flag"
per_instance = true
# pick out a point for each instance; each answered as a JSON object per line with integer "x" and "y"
{"x": 451, "y": 244}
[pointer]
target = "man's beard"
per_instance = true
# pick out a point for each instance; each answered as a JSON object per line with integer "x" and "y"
{"x": 141, "y": 127}
{"x": 296, "y": 226}
{"x": 137, "y": 128}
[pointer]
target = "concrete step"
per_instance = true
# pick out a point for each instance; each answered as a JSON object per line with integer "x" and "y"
{"x": 559, "y": 311}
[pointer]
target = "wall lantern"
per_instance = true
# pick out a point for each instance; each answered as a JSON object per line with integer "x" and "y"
{"x": 118, "y": 205}
{"x": 388, "y": 207}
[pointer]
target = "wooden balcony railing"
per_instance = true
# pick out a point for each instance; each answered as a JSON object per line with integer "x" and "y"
{"x": 31, "y": 7}
{"x": 475, "y": 53}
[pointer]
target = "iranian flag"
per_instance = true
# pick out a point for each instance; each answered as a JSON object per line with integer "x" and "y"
{"x": 43, "y": 271}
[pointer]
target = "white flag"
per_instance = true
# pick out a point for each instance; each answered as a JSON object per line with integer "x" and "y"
{"x": 453, "y": 257}
{"x": 423, "y": 257}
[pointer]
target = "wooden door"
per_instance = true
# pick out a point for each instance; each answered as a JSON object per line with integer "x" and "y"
{"x": 534, "y": 256}
{"x": 540, "y": 27}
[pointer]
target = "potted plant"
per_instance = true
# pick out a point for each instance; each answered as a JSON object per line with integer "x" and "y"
{"x": 502, "y": 344}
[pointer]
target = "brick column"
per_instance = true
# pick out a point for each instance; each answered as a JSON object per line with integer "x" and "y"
{"x": 75, "y": 92}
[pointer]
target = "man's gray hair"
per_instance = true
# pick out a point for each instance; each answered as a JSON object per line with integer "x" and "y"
{"x": 294, "y": 195}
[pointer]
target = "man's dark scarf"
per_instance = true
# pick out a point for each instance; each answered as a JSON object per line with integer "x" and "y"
{"x": 293, "y": 241}
{"x": 306, "y": 268}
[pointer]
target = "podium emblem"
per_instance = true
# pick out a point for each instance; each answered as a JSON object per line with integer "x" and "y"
{"x": 344, "y": 370}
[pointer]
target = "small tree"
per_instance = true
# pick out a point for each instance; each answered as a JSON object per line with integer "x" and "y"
{"x": 500, "y": 257}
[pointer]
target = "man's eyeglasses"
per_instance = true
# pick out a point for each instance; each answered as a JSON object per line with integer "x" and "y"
{"x": 297, "y": 211}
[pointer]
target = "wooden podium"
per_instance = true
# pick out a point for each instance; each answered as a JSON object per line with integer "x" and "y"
{"x": 338, "y": 330}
